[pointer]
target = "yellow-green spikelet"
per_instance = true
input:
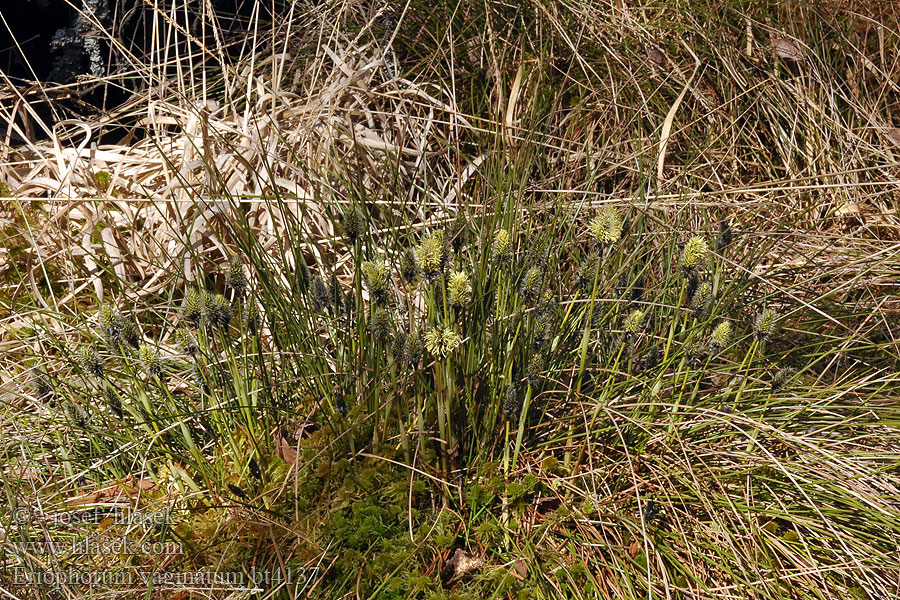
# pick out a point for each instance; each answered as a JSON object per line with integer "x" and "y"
{"x": 694, "y": 252}
{"x": 606, "y": 226}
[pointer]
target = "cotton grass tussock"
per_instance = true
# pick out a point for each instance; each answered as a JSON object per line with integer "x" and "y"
{"x": 349, "y": 133}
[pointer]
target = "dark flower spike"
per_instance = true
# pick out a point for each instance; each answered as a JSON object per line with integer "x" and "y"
{"x": 413, "y": 348}
{"x": 90, "y": 361}
{"x": 530, "y": 287}
{"x": 782, "y": 379}
{"x": 353, "y": 223}
{"x": 111, "y": 398}
{"x": 692, "y": 284}
{"x": 236, "y": 279}
{"x": 586, "y": 272}
{"x": 702, "y": 299}
{"x": 118, "y": 331}
{"x": 43, "y": 388}
{"x": 408, "y": 266}
{"x": 186, "y": 342}
{"x": 622, "y": 285}
{"x": 150, "y": 360}
{"x": 511, "y": 403}
{"x": 458, "y": 232}
{"x": 724, "y": 238}
{"x": 251, "y": 317}
{"x": 535, "y": 370}
{"x": 320, "y": 295}
{"x": 218, "y": 311}
{"x": 380, "y": 324}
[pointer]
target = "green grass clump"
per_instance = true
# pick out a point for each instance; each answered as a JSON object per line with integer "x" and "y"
{"x": 546, "y": 295}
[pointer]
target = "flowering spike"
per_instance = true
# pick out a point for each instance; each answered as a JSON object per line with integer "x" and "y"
{"x": 634, "y": 322}
{"x": 694, "y": 253}
{"x": 720, "y": 336}
{"x": 378, "y": 279}
{"x": 764, "y": 326}
{"x": 606, "y": 226}
{"x": 502, "y": 247}
{"x": 459, "y": 289}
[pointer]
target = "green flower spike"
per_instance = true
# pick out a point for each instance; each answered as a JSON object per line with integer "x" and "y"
{"x": 237, "y": 279}
{"x": 150, "y": 360}
{"x": 531, "y": 283}
{"x": 720, "y": 335}
{"x": 694, "y": 253}
{"x": 412, "y": 348}
{"x": 408, "y": 266}
{"x": 459, "y": 289}
{"x": 380, "y": 324}
{"x": 634, "y": 322}
{"x": 218, "y": 310}
{"x": 193, "y": 307}
{"x": 431, "y": 255}
{"x": 186, "y": 342}
{"x": 764, "y": 326}
{"x": 441, "y": 341}
{"x": 606, "y": 226}
{"x": 90, "y": 361}
{"x": 502, "y": 247}
{"x": 702, "y": 299}
{"x": 378, "y": 278}
{"x": 352, "y": 220}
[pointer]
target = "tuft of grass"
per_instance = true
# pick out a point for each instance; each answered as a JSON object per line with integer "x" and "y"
{"x": 521, "y": 282}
